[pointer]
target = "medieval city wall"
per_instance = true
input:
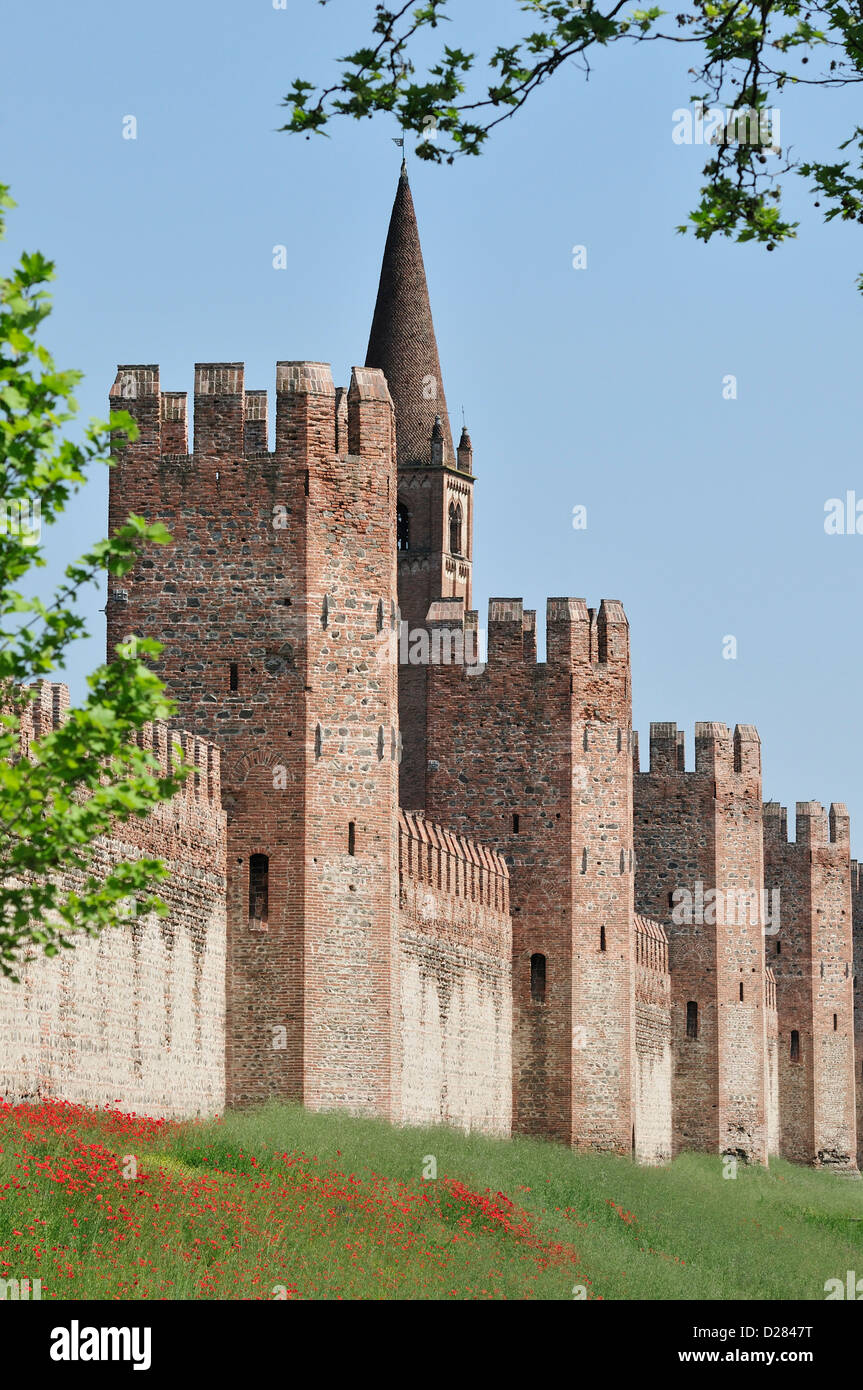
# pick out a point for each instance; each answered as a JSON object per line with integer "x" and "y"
{"x": 455, "y": 945}
{"x": 134, "y": 1017}
{"x": 772, "y": 1019}
{"x": 652, "y": 1043}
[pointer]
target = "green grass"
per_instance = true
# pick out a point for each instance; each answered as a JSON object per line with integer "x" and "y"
{"x": 327, "y": 1206}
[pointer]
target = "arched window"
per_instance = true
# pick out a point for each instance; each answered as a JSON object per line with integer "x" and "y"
{"x": 537, "y": 979}
{"x": 455, "y": 519}
{"x": 259, "y": 890}
{"x": 795, "y": 1045}
{"x": 403, "y": 527}
{"x": 692, "y": 1019}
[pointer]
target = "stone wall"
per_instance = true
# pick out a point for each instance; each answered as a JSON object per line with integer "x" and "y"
{"x": 652, "y": 1043}
{"x": 135, "y": 1017}
{"x": 771, "y": 1016}
{"x": 456, "y": 980}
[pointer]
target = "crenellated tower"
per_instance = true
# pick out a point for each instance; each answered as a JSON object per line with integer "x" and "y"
{"x": 811, "y": 955}
{"x": 698, "y": 847}
{"x": 535, "y": 759}
{"x": 273, "y": 602}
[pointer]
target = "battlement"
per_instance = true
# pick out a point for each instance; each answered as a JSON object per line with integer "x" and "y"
{"x": 430, "y": 854}
{"x": 651, "y": 944}
{"x": 813, "y": 825}
{"x": 231, "y": 422}
{"x": 770, "y": 990}
{"x": 576, "y": 636}
{"x": 49, "y": 710}
{"x": 718, "y": 750}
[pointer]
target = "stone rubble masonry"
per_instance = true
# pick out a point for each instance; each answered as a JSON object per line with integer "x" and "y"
{"x": 136, "y": 1014}
{"x": 456, "y": 979}
{"x": 652, "y": 1043}
{"x": 535, "y": 761}
{"x": 812, "y": 960}
{"x": 704, "y": 827}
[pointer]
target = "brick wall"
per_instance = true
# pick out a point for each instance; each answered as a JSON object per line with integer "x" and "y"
{"x": 456, "y": 980}
{"x": 135, "y": 1015}
{"x": 652, "y": 1043}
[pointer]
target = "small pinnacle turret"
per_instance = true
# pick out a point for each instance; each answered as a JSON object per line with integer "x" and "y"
{"x": 402, "y": 341}
{"x": 465, "y": 452}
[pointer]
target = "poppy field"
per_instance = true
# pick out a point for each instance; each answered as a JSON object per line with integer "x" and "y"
{"x": 281, "y": 1203}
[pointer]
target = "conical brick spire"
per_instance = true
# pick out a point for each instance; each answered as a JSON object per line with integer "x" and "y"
{"x": 402, "y": 341}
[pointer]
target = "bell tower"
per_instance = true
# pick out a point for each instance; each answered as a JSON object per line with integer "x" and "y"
{"x": 435, "y": 481}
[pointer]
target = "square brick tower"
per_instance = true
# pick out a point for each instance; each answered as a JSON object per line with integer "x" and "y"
{"x": 271, "y": 603}
{"x": 435, "y": 482}
{"x": 698, "y": 846}
{"x": 812, "y": 959}
{"x": 536, "y": 760}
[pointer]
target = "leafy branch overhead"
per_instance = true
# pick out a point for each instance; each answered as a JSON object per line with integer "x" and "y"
{"x": 88, "y": 775}
{"x": 741, "y": 56}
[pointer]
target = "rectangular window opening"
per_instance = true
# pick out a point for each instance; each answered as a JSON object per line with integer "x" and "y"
{"x": 259, "y": 890}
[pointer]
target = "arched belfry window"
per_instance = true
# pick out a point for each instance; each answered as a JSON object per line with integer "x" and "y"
{"x": 455, "y": 520}
{"x": 403, "y": 527}
{"x": 259, "y": 890}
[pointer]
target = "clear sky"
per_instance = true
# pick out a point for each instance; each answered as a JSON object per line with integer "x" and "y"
{"x": 600, "y": 386}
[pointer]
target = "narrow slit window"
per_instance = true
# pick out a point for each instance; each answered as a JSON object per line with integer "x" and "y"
{"x": 741, "y": 991}
{"x": 835, "y": 1022}
{"x": 259, "y": 889}
{"x": 692, "y": 1019}
{"x": 234, "y": 676}
{"x": 602, "y": 938}
{"x": 352, "y": 837}
{"x": 795, "y": 1045}
{"x": 537, "y": 979}
{"x": 515, "y": 823}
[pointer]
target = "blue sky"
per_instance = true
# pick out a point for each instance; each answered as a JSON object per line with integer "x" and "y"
{"x": 600, "y": 387}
